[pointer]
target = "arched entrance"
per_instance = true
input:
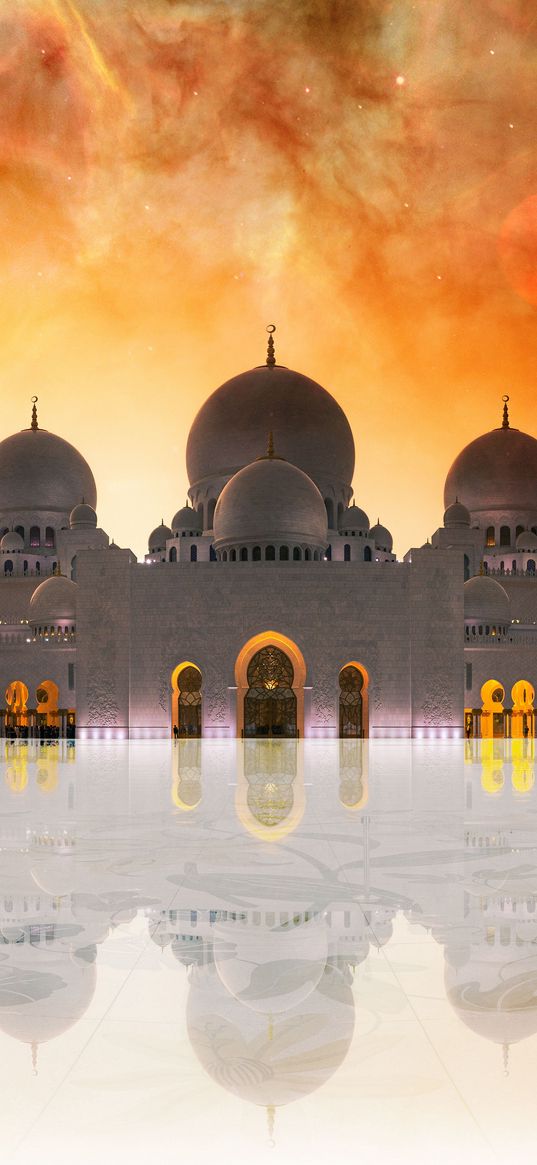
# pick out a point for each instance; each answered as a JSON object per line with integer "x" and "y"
{"x": 492, "y": 709}
{"x": 270, "y": 674}
{"x": 523, "y": 715}
{"x": 186, "y": 700}
{"x": 353, "y": 701}
{"x": 270, "y": 702}
{"x": 47, "y": 695}
{"x": 16, "y": 715}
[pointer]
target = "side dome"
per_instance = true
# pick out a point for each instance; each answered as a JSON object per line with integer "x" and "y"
{"x": 83, "y": 517}
{"x": 40, "y": 471}
{"x": 12, "y": 541}
{"x": 270, "y": 501}
{"x": 486, "y": 600}
{"x": 188, "y": 520}
{"x": 527, "y": 540}
{"x": 354, "y": 519}
{"x": 456, "y": 515}
{"x": 54, "y": 601}
{"x": 497, "y": 471}
{"x": 158, "y": 538}
{"x": 310, "y": 427}
{"x": 382, "y": 537}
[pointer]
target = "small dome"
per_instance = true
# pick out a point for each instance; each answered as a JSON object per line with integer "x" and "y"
{"x": 354, "y": 519}
{"x": 486, "y": 600}
{"x": 270, "y": 501}
{"x": 527, "y": 540}
{"x": 187, "y": 519}
{"x": 158, "y": 538}
{"x": 54, "y": 601}
{"x": 12, "y": 541}
{"x": 382, "y": 536}
{"x": 456, "y": 515}
{"x": 83, "y": 517}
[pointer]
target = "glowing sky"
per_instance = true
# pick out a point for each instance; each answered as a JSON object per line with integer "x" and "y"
{"x": 174, "y": 176}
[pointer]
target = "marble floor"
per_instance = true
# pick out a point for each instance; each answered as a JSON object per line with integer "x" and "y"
{"x": 269, "y": 951}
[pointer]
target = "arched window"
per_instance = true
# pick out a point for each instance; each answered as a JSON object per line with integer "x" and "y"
{"x": 328, "y": 553}
{"x": 54, "y": 567}
{"x": 8, "y": 566}
{"x": 244, "y": 554}
{"x": 270, "y": 554}
{"x": 193, "y": 554}
{"x": 38, "y": 568}
{"x": 18, "y": 530}
{"x": 270, "y": 707}
{"x": 505, "y": 536}
{"x": 467, "y": 568}
{"x": 49, "y": 536}
{"x": 491, "y": 538}
{"x": 25, "y": 567}
{"x": 210, "y": 513}
{"x": 186, "y": 702}
{"x": 329, "y": 512}
{"x": 224, "y": 556}
{"x": 212, "y": 554}
{"x": 297, "y": 554}
{"x": 256, "y": 554}
{"x": 346, "y": 552}
{"x": 513, "y": 566}
{"x": 351, "y": 682}
{"x": 307, "y": 554}
{"x": 284, "y": 554}
{"x": 232, "y": 555}
{"x": 530, "y": 566}
{"x": 173, "y": 554}
{"x": 35, "y": 536}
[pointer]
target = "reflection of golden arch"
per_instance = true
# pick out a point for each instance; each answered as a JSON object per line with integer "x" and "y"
{"x": 522, "y": 719}
{"x": 16, "y": 770}
{"x": 176, "y": 693}
{"x": 492, "y": 710}
{"x": 267, "y": 758}
{"x": 523, "y": 774}
{"x": 186, "y": 781}
{"x": 364, "y": 693}
{"x": 47, "y": 696}
{"x": 353, "y": 774}
{"x": 492, "y": 758}
{"x": 270, "y": 639}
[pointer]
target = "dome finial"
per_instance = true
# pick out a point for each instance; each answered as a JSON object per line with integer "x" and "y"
{"x": 271, "y": 358}
{"x": 505, "y": 1050}
{"x": 34, "y": 1048}
{"x": 271, "y": 1114}
{"x": 505, "y": 422}
{"x": 34, "y": 425}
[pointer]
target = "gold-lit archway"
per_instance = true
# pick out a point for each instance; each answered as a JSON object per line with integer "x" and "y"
{"x": 47, "y": 696}
{"x": 16, "y": 715}
{"x": 186, "y": 683}
{"x": 523, "y": 716}
{"x": 353, "y": 701}
{"x": 492, "y": 709}
{"x": 296, "y": 676}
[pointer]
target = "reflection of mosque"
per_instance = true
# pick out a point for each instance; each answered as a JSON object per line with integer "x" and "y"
{"x": 270, "y": 607}
{"x": 271, "y": 927}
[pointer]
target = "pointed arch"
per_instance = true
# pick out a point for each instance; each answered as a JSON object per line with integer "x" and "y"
{"x": 353, "y": 700}
{"x": 294, "y": 655}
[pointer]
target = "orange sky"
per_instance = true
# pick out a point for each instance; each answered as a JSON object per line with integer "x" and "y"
{"x": 174, "y": 176}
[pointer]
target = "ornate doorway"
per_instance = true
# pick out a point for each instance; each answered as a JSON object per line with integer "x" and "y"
{"x": 351, "y": 682}
{"x": 270, "y": 707}
{"x": 186, "y": 703}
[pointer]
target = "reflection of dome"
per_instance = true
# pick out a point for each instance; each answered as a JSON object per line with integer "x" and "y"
{"x": 54, "y": 601}
{"x": 456, "y": 515}
{"x": 495, "y": 996}
{"x": 271, "y": 969}
{"x": 186, "y": 519}
{"x": 354, "y": 519}
{"x": 39, "y": 471}
{"x": 310, "y": 428}
{"x": 270, "y": 1062}
{"x": 158, "y": 538}
{"x": 270, "y": 501}
{"x": 83, "y": 517}
{"x": 382, "y": 537}
{"x": 44, "y": 992}
{"x": 486, "y": 599}
{"x": 12, "y": 541}
{"x": 497, "y": 471}
{"x": 527, "y": 540}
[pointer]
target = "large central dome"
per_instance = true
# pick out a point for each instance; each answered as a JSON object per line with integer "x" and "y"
{"x": 497, "y": 471}
{"x": 40, "y": 471}
{"x": 310, "y": 429}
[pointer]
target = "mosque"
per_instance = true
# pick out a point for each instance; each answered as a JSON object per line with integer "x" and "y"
{"x": 270, "y": 606}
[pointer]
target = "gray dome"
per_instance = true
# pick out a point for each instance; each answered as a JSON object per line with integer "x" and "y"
{"x": 527, "y": 540}
{"x": 486, "y": 600}
{"x": 456, "y": 515}
{"x": 497, "y": 471}
{"x": 39, "y": 471}
{"x": 270, "y": 501}
{"x": 83, "y": 517}
{"x": 310, "y": 429}
{"x": 354, "y": 519}
{"x": 54, "y": 601}
{"x": 382, "y": 537}
{"x": 12, "y": 541}
{"x": 158, "y": 538}
{"x": 187, "y": 519}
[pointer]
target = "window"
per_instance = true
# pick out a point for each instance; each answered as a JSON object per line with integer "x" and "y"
{"x": 466, "y": 568}
{"x": 505, "y": 536}
{"x": 284, "y": 553}
{"x": 35, "y": 536}
{"x": 307, "y": 554}
{"x": 8, "y": 566}
{"x": 347, "y": 552}
{"x": 224, "y": 556}
{"x": 328, "y": 553}
{"x": 256, "y": 554}
{"x": 270, "y": 554}
{"x": 297, "y": 554}
{"x": 212, "y": 554}
{"x": 49, "y": 536}
{"x": 194, "y": 553}
{"x": 70, "y": 676}
{"x": 513, "y": 566}
{"x": 468, "y": 677}
{"x": 38, "y": 568}
{"x": 244, "y": 554}
{"x": 367, "y": 554}
{"x": 210, "y": 513}
{"x": 491, "y": 540}
{"x": 530, "y": 566}
{"x": 232, "y": 555}
{"x": 54, "y": 567}
{"x": 173, "y": 554}
{"x": 25, "y": 567}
